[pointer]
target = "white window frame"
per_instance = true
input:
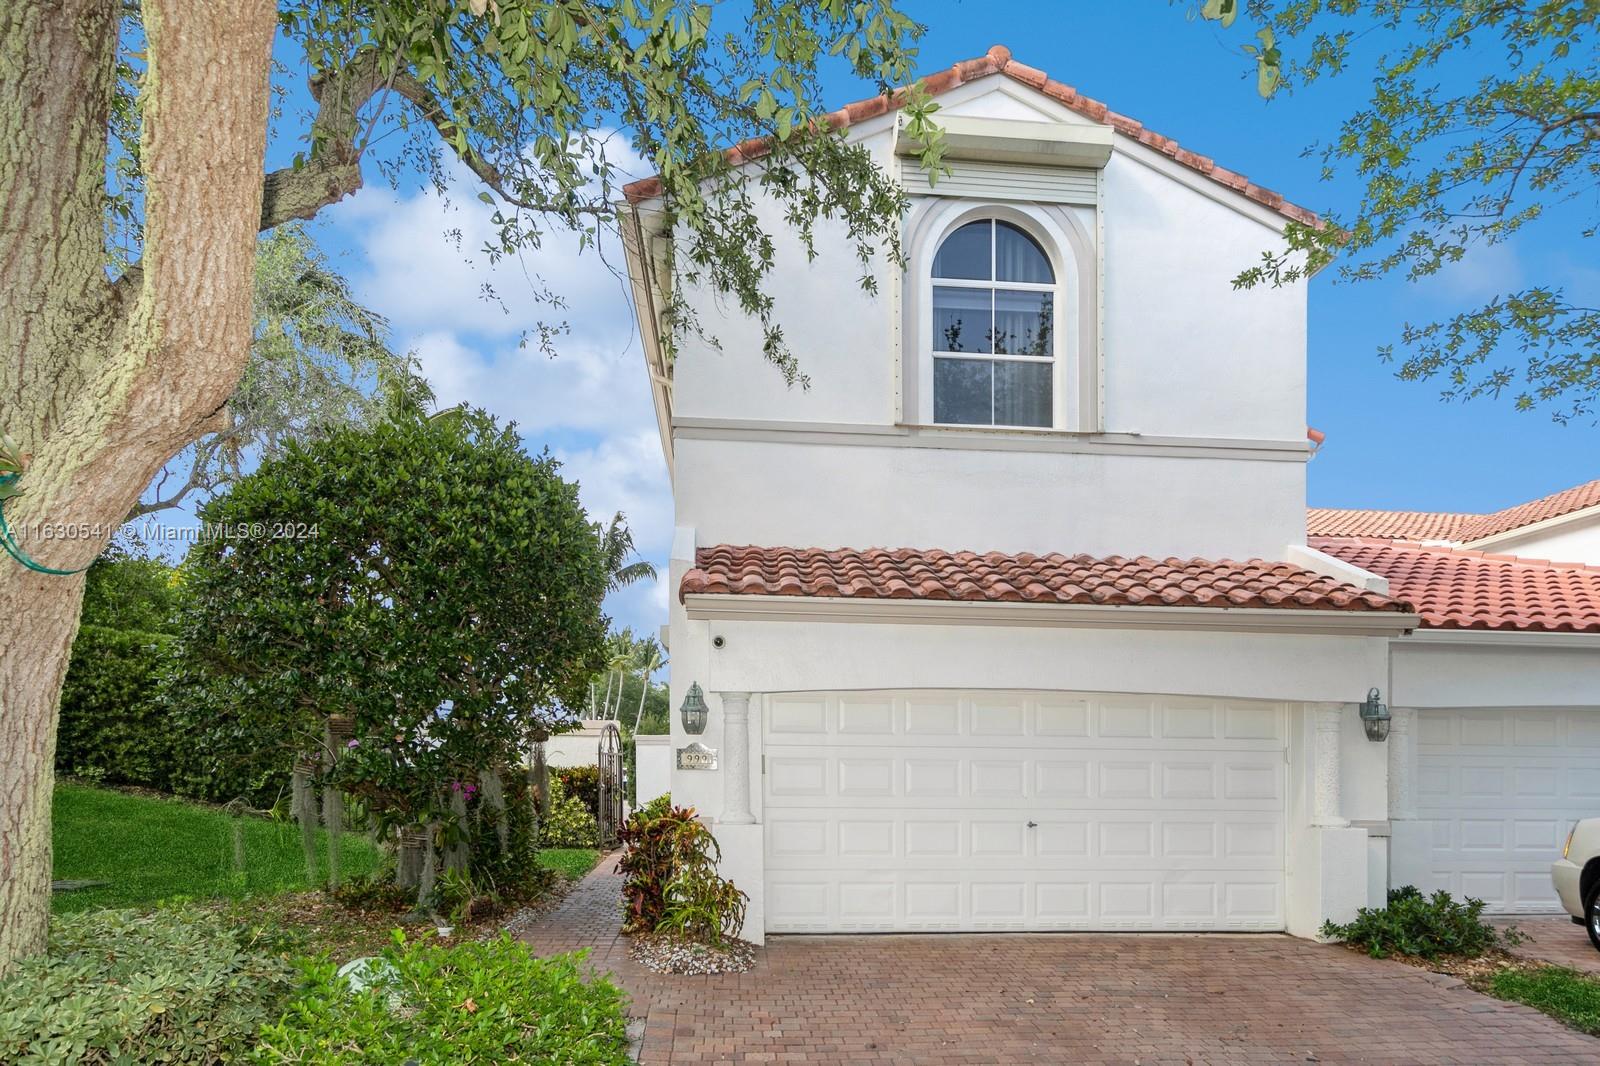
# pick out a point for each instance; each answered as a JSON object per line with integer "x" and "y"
{"x": 1070, "y": 250}
{"x": 993, "y": 285}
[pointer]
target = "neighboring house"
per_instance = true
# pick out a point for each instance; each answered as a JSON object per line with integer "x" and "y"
{"x": 1502, "y": 680}
{"x": 579, "y": 746}
{"x": 1010, "y": 621}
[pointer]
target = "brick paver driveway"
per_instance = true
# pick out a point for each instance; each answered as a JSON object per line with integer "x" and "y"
{"x": 1066, "y": 998}
{"x": 1554, "y": 938}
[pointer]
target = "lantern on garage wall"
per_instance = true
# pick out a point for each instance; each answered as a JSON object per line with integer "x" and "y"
{"x": 1375, "y": 716}
{"x": 694, "y": 710}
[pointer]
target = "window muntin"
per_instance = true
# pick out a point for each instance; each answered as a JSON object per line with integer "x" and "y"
{"x": 993, "y": 345}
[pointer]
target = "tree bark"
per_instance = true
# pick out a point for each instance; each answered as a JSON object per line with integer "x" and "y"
{"x": 101, "y": 383}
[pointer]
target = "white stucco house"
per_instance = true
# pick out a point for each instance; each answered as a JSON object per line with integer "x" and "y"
{"x": 1013, "y": 619}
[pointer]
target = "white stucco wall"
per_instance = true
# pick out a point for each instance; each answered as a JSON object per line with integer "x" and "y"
{"x": 1486, "y": 670}
{"x": 1577, "y": 541}
{"x": 1185, "y": 359}
{"x": 652, "y": 766}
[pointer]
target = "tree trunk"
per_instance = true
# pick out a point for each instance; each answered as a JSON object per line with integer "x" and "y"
{"x": 100, "y": 382}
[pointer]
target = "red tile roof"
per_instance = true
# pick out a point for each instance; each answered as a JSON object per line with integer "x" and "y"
{"x": 1446, "y": 525}
{"x": 997, "y": 60}
{"x": 1388, "y": 525}
{"x": 1554, "y": 505}
{"x": 1454, "y": 588}
{"x": 878, "y": 573}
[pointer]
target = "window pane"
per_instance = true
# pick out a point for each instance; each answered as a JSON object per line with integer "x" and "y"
{"x": 1024, "y": 322}
{"x": 1021, "y": 394}
{"x": 965, "y": 253}
{"x": 961, "y": 319}
{"x": 1018, "y": 257}
{"x": 962, "y": 390}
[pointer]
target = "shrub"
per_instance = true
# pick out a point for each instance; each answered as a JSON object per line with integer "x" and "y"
{"x": 567, "y": 824}
{"x": 1422, "y": 926}
{"x": 466, "y": 1002}
{"x": 582, "y": 783}
{"x": 121, "y": 987}
{"x": 670, "y": 860}
{"x": 114, "y": 726}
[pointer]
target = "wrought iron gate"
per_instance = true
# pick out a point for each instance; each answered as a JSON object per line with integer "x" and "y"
{"x": 608, "y": 817}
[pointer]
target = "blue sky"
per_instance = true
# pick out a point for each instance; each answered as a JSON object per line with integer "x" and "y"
{"x": 1390, "y": 444}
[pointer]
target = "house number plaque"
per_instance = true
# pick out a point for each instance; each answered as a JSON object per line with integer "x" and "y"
{"x": 697, "y": 757}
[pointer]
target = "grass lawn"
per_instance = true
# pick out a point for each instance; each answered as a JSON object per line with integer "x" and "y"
{"x": 1566, "y": 995}
{"x": 573, "y": 862}
{"x": 151, "y": 849}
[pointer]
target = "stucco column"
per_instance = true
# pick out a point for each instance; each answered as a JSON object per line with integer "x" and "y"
{"x": 736, "y": 759}
{"x": 1326, "y": 802}
{"x": 1402, "y": 763}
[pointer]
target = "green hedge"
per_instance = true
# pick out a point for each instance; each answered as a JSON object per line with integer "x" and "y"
{"x": 121, "y": 726}
{"x": 114, "y": 725}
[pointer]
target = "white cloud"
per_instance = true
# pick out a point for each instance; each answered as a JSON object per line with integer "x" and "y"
{"x": 1486, "y": 270}
{"x": 585, "y": 386}
{"x": 626, "y": 472}
{"x": 419, "y": 263}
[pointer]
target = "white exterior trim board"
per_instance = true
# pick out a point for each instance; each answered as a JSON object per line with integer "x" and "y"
{"x": 912, "y": 435}
{"x": 736, "y": 607}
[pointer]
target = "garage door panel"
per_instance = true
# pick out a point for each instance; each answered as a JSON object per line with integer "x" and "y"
{"x": 1499, "y": 789}
{"x": 1143, "y": 812}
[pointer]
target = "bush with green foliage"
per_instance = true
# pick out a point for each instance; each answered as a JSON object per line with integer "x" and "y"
{"x": 1422, "y": 926}
{"x": 114, "y": 726}
{"x": 582, "y": 783}
{"x": 118, "y": 986}
{"x": 432, "y": 1003}
{"x": 568, "y": 823}
{"x": 425, "y": 581}
{"x": 670, "y": 859}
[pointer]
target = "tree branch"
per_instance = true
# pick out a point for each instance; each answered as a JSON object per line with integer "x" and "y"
{"x": 334, "y": 169}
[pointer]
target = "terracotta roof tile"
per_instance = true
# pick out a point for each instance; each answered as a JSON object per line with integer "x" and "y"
{"x": 1577, "y": 498}
{"x": 1454, "y": 588}
{"x": 998, "y": 61}
{"x": 1445, "y": 525}
{"x": 1387, "y": 525}
{"x": 879, "y": 573}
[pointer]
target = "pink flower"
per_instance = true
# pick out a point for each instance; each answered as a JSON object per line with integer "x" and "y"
{"x": 353, "y": 744}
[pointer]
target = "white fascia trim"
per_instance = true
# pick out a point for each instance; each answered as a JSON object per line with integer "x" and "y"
{"x": 998, "y": 140}
{"x": 1535, "y": 528}
{"x": 1506, "y": 638}
{"x": 642, "y": 283}
{"x": 911, "y": 435}
{"x": 1330, "y": 566}
{"x": 727, "y": 607}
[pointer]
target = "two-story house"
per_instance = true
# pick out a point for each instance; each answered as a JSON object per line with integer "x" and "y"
{"x": 1010, "y": 620}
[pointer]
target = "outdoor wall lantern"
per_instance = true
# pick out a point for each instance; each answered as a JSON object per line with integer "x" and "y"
{"x": 1375, "y": 716}
{"x": 694, "y": 710}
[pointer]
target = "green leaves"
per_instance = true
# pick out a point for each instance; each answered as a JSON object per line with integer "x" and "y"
{"x": 467, "y": 1002}
{"x": 1480, "y": 119}
{"x": 448, "y": 603}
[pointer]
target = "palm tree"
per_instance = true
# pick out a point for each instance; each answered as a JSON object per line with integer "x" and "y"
{"x": 650, "y": 660}
{"x": 616, "y": 545}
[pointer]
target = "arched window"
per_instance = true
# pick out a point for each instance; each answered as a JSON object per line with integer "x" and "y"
{"x": 993, "y": 337}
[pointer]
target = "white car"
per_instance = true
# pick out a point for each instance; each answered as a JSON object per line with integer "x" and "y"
{"x": 1576, "y": 876}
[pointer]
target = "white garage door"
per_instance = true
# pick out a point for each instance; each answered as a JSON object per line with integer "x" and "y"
{"x": 1500, "y": 789}
{"x": 987, "y": 811}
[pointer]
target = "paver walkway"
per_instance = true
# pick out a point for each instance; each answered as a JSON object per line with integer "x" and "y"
{"x": 1062, "y": 998}
{"x": 1554, "y": 938}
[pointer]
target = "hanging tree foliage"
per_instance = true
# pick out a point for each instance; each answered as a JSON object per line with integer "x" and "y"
{"x": 132, "y": 148}
{"x": 1482, "y": 117}
{"x": 392, "y": 610}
